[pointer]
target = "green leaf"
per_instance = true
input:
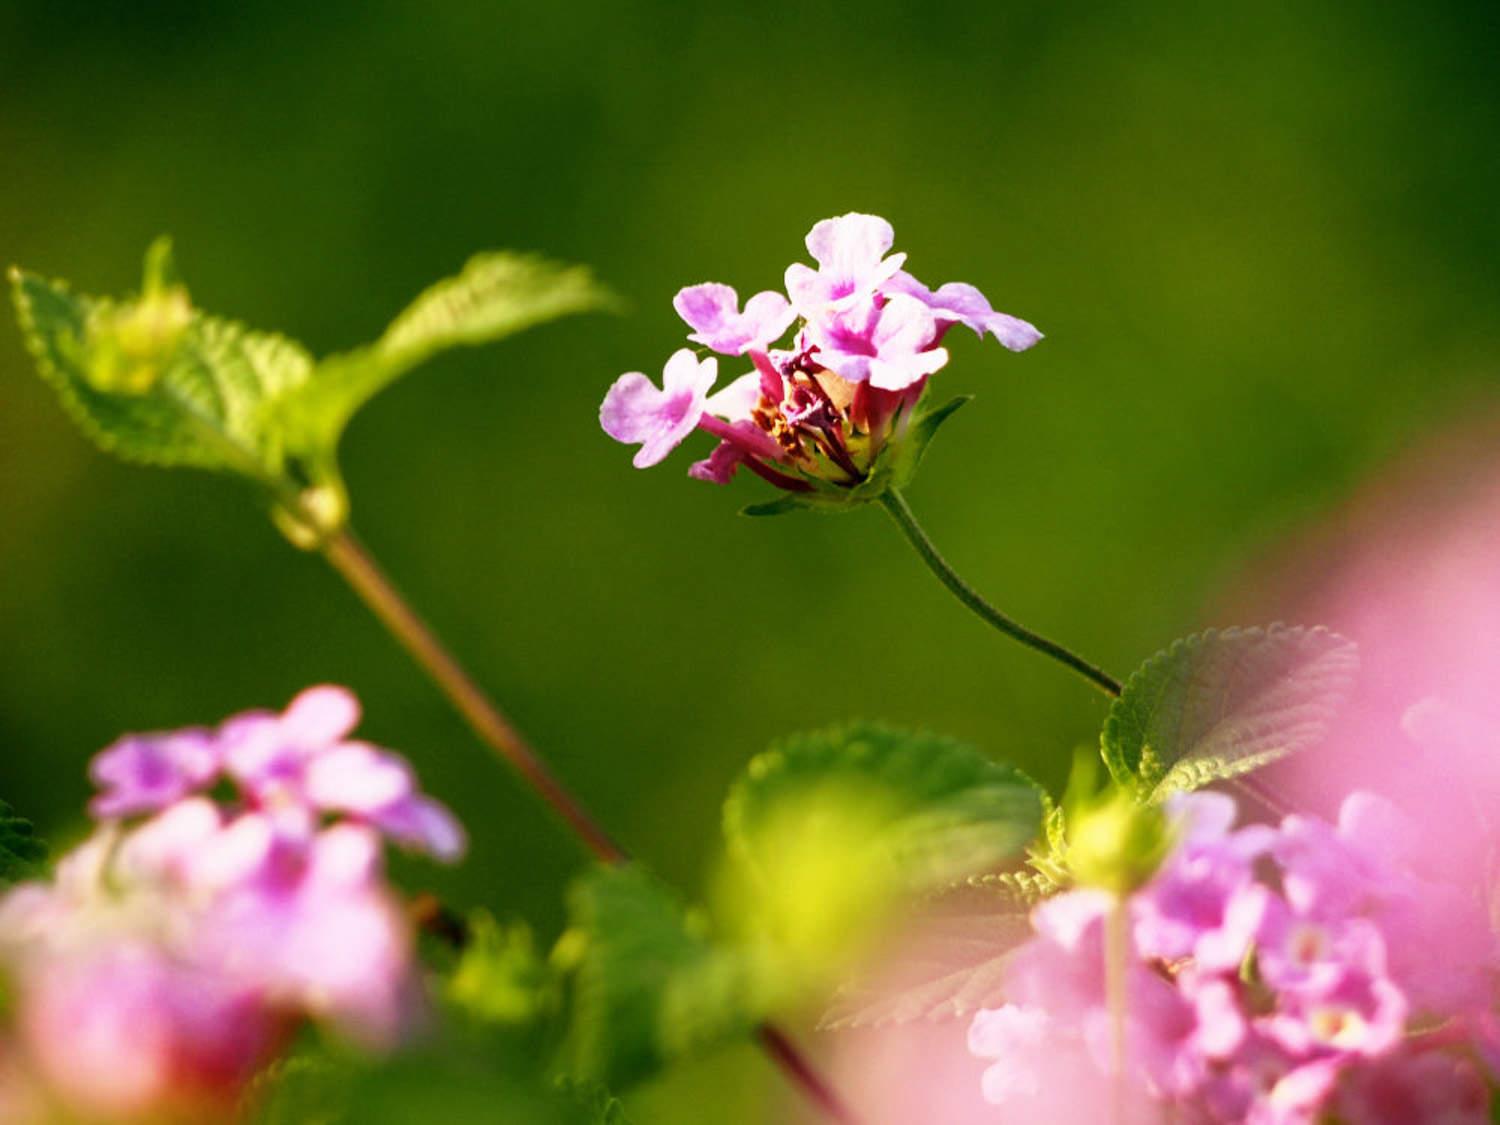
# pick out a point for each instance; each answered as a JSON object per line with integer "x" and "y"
{"x": 938, "y": 810}
{"x": 1223, "y": 703}
{"x": 187, "y": 399}
{"x": 450, "y": 1075}
{"x": 152, "y": 380}
{"x": 920, "y": 436}
{"x": 496, "y": 295}
{"x": 649, "y": 988}
{"x": 500, "y": 977}
{"x": 948, "y": 965}
{"x": 22, "y": 853}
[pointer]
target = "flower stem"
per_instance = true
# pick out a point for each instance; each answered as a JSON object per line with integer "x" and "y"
{"x": 1116, "y": 970}
{"x": 776, "y": 1044}
{"x": 901, "y": 512}
{"x": 358, "y": 567}
{"x": 350, "y": 558}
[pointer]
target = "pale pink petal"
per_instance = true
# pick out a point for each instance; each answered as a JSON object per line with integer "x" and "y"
{"x": 957, "y": 302}
{"x": 357, "y": 777}
{"x": 345, "y": 856}
{"x": 851, "y": 264}
{"x": 904, "y": 371}
{"x": 735, "y": 402}
{"x": 850, "y": 244}
{"x": 236, "y": 855}
{"x": 168, "y": 845}
{"x": 707, "y": 307}
{"x": 320, "y": 716}
{"x": 713, "y": 311}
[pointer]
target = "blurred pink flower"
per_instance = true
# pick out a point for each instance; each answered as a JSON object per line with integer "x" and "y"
{"x": 168, "y": 959}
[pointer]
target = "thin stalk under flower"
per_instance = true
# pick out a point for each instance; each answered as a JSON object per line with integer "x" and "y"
{"x": 1116, "y": 971}
{"x": 901, "y": 512}
{"x": 359, "y": 569}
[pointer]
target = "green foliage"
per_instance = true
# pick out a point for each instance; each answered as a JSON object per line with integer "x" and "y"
{"x": 496, "y": 295}
{"x": 500, "y": 977}
{"x": 949, "y": 964}
{"x": 923, "y": 429}
{"x": 152, "y": 380}
{"x": 1115, "y": 841}
{"x": 21, "y": 852}
{"x": 1223, "y": 703}
{"x": 832, "y": 834}
{"x": 649, "y": 986}
{"x": 444, "y": 1081}
{"x": 199, "y": 407}
{"x": 938, "y": 810}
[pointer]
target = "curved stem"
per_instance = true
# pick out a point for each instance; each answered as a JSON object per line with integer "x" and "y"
{"x": 350, "y": 558}
{"x": 358, "y": 567}
{"x": 901, "y": 512}
{"x": 792, "y": 1061}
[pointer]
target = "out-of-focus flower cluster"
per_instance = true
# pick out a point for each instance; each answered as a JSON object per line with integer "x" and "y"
{"x": 233, "y": 888}
{"x": 1296, "y": 974}
{"x": 868, "y": 334}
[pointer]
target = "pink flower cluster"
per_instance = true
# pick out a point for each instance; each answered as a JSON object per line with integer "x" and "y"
{"x": 1278, "y": 976}
{"x": 175, "y": 951}
{"x": 868, "y": 336}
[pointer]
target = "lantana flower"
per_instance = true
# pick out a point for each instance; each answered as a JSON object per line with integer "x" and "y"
{"x": 1266, "y": 980}
{"x": 822, "y": 415}
{"x": 181, "y": 944}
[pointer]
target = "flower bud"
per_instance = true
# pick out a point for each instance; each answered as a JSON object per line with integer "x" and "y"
{"x": 130, "y": 347}
{"x": 1114, "y": 842}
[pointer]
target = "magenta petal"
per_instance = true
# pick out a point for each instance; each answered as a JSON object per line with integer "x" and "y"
{"x": 719, "y": 466}
{"x": 144, "y": 773}
{"x": 421, "y": 823}
{"x": 636, "y": 411}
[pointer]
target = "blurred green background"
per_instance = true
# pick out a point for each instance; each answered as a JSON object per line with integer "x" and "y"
{"x": 1262, "y": 240}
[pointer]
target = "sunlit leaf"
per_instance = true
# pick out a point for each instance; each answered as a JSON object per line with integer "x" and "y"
{"x": 195, "y": 402}
{"x": 500, "y": 976}
{"x": 496, "y": 295}
{"x": 947, "y": 965}
{"x": 649, "y": 986}
{"x": 1223, "y": 703}
{"x": 940, "y": 809}
{"x": 923, "y": 429}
